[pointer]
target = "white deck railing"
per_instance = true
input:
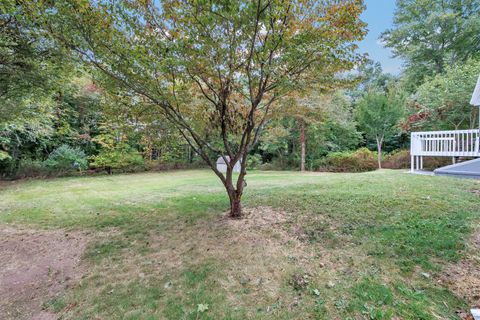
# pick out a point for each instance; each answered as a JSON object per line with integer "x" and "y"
{"x": 455, "y": 143}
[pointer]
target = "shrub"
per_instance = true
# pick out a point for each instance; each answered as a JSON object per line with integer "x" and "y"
{"x": 123, "y": 158}
{"x": 66, "y": 158}
{"x": 254, "y": 161}
{"x": 401, "y": 160}
{"x": 29, "y": 168}
{"x": 281, "y": 163}
{"x": 268, "y": 166}
{"x": 360, "y": 160}
{"x": 159, "y": 165}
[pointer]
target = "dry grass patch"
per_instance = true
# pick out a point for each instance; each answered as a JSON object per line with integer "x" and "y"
{"x": 252, "y": 264}
{"x": 254, "y": 252}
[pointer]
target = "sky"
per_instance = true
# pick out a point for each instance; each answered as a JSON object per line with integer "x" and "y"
{"x": 379, "y": 17}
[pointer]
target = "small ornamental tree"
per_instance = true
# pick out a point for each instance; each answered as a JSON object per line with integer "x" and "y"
{"x": 378, "y": 115}
{"x": 214, "y": 68}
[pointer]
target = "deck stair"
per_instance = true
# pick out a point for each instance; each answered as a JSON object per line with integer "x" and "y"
{"x": 466, "y": 169}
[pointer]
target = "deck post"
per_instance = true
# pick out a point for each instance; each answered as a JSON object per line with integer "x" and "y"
{"x": 453, "y": 144}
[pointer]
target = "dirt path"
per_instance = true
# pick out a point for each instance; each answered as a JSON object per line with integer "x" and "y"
{"x": 34, "y": 267}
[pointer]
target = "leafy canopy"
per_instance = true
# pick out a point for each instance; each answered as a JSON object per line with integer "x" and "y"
{"x": 31, "y": 66}
{"x": 213, "y": 68}
{"x": 431, "y": 34}
{"x": 378, "y": 114}
{"x": 443, "y": 101}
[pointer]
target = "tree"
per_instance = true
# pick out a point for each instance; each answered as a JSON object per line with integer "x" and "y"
{"x": 314, "y": 108}
{"x": 378, "y": 115}
{"x": 31, "y": 70}
{"x": 328, "y": 125}
{"x": 30, "y": 66}
{"x": 338, "y": 129}
{"x": 443, "y": 101}
{"x": 69, "y": 115}
{"x": 431, "y": 34}
{"x": 304, "y": 111}
{"x": 214, "y": 69}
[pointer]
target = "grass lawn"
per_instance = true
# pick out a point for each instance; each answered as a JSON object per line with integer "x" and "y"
{"x": 313, "y": 246}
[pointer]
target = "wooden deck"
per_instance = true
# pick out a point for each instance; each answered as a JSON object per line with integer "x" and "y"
{"x": 454, "y": 143}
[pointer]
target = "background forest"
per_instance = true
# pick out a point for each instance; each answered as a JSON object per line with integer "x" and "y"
{"x": 59, "y": 117}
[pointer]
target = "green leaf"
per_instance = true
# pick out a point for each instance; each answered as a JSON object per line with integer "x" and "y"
{"x": 4, "y": 155}
{"x": 201, "y": 307}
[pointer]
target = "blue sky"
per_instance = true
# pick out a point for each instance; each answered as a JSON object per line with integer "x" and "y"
{"x": 379, "y": 16}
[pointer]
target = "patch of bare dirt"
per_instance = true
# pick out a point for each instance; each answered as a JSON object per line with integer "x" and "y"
{"x": 34, "y": 267}
{"x": 475, "y": 191}
{"x": 463, "y": 277}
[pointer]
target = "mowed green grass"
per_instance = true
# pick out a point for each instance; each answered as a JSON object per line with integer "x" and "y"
{"x": 355, "y": 246}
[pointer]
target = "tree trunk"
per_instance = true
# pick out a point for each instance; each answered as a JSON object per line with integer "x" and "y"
{"x": 190, "y": 154}
{"x": 379, "y": 151}
{"x": 302, "y": 144}
{"x": 235, "y": 196}
{"x": 235, "y": 190}
{"x": 235, "y": 205}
